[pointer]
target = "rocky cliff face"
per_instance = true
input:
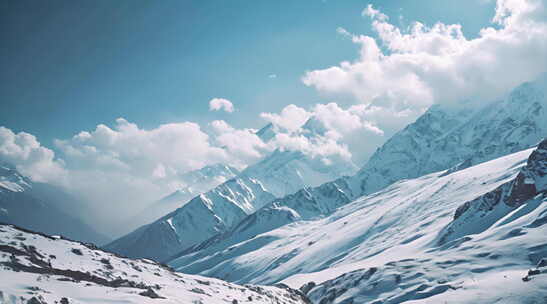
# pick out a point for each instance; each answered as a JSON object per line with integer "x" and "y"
{"x": 481, "y": 213}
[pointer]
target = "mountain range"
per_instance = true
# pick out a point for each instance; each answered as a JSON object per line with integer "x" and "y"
{"x": 448, "y": 209}
{"x": 218, "y": 210}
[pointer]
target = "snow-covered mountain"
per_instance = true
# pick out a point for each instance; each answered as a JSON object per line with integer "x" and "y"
{"x": 441, "y": 237}
{"x": 40, "y": 269}
{"x": 441, "y": 139}
{"x": 284, "y": 171}
{"x": 202, "y": 217}
{"x": 193, "y": 183}
{"x": 218, "y": 210}
{"x": 42, "y": 207}
{"x": 459, "y": 138}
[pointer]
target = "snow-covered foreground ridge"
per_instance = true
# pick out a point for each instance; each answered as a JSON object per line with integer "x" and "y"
{"x": 454, "y": 237}
{"x": 36, "y": 268}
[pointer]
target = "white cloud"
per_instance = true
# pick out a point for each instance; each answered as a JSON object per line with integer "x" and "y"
{"x": 241, "y": 142}
{"x": 30, "y": 158}
{"x": 217, "y": 104}
{"x": 438, "y": 64}
{"x": 119, "y": 169}
{"x": 344, "y": 121}
{"x": 326, "y": 131}
{"x": 129, "y": 148}
{"x": 291, "y": 117}
{"x": 272, "y": 76}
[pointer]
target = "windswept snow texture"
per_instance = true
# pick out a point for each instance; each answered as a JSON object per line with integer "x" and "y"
{"x": 42, "y": 207}
{"x": 36, "y": 268}
{"x": 391, "y": 246}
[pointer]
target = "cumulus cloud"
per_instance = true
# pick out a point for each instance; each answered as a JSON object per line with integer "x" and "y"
{"x": 405, "y": 71}
{"x": 326, "y": 131}
{"x": 241, "y": 142}
{"x": 30, "y": 158}
{"x": 291, "y": 117}
{"x": 126, "y": 147}
{"x": 217, "y": 104}
{"x": 344, "y": 121}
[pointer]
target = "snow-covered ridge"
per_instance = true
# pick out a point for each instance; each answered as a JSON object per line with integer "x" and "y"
{"x": 193, "y": 183}
{"x": 385, "y": 246}
{"x": 441, "y": 139}
{"x": 479, "y": 214}
{"x": 36, "y": 268}
{"x": 497, "y": 239}
{"x": 204, "y": 216}
{"x": 459, "y": 138}
{"x": 220, "y": 209}
{"x": 11, "y": 180}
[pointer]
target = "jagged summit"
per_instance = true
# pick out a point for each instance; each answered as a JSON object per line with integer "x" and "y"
{"x": 266, "y": 133}
{"x": 12, "y": 180}
{"x": 192, "y": 183}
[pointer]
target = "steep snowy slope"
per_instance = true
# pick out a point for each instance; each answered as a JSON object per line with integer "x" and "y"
{"x": 40, "y": 269}
{"x": 439, "y": 139}
{"x": 41, "y": 207}
{"x": 193, "y": 183}
{"x": 219, "y": 209}
{"x": 306, "y": 204}
{"x": 285, "y": 172}
{"x": 204, "y": 216}
{"x": 459, "y": 138}
{"x": 391, "y": 245}
{"x": 497, "y": 239}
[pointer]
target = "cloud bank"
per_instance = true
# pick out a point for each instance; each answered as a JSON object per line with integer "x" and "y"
{"x": 410, "y": 69}
{"x": 25, "y": 152}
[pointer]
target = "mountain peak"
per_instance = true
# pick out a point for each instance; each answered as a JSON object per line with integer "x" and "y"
{"x": 313, "y": 127}
{"x": 266, "y": 133}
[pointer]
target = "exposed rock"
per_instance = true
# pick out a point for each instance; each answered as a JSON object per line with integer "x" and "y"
{"x": 149, "y": 292}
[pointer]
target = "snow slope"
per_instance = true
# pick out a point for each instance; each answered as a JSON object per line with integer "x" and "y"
{"x": 39, "y": 269}
{"x": 285, "y": 172}
{"x": 218, "y": 210}
{"x": 440, "y": 139}
{"x": 391, "y": 246}
{"x": 204, "y": 216}
{"x": 443, "y": 138}
{"x": 193, "y": 183}
{"x": 42, "y": 207}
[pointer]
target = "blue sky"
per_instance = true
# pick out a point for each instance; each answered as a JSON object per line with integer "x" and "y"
{"x": 70, "y": 65}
